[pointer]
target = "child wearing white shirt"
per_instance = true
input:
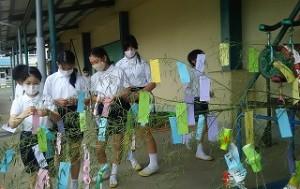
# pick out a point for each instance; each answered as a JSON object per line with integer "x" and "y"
{"x": 23, "y": 110}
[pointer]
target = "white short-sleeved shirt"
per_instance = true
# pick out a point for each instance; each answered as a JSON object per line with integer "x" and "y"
{"x": 21, "y": 103}
{"x": 19, "y": 91}
{"x": 58, "y": 86}
{"x": 137, "y": 72}
{"x": 110, "y": 82}
{"x": 193, "y": 87}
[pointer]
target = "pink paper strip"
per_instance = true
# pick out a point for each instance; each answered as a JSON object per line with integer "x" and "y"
{"x": 106, "y": 106}
{"x": 43, "y": 179}
{"x": 35, "y": 122}
{"x": 86, "y": 168}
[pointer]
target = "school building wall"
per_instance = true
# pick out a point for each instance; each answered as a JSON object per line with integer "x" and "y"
{"x": 170, "y": 29}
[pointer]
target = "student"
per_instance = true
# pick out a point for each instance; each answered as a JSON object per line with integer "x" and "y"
{"x": 21, "y": 114}
{"x": 109, "y": 84}
{"x": 139, "y": 75}
{"x": 19, "y": 78}
{"x": 63, "y": 87}
{"x": 200, "y": 107}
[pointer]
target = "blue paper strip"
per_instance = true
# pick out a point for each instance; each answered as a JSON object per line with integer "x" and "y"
{"x": 60, "y": 127}
{"x": 134, "y": 109}
{"x": 63, "y": 175}
{"x": 102, "y": 124}
{"x": 50, "y": 147}
{"x": 176, "y": 138}
{"x": 200, "y": 124}
{"x": 283, "y": 123}
{"x": 8, "y": 157}
{"x": 80, "y": 102}
{"x": 183, "y": 72}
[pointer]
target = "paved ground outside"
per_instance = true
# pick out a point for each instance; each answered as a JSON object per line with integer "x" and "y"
{"x": 178, "y": 166}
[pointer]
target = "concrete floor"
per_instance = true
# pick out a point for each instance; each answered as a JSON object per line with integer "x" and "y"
{"x": 178, "y": 166}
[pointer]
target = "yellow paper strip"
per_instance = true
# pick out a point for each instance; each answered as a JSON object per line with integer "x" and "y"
{"x": 224, "y": 54}
{"x": 155, "y": 71}
{"x": 288, "y": 74}
{"x": 249, "y": 127}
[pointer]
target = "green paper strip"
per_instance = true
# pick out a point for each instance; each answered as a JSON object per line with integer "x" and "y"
{"x": 182, "y": 118}
{"x": 42, "y": 140}
{"x": 144, "y": 102}
{"x": 253, "y": 60}
{"x": 82, "y": 121}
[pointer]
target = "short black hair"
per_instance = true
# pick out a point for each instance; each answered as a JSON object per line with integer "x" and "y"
{"x": 192, "y": 56}
{"x": 99, "y": 52}
{"x": 130, "y": 41}
{"x": 66, "y": 57}
{"x": 32, "y": 71}
{"x": 86, "y": 69}
{"x": 17, "y": 72}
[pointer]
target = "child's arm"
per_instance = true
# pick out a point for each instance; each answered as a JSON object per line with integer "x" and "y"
{"x": 15, "y": 120}
{"x": 54, "y": 116}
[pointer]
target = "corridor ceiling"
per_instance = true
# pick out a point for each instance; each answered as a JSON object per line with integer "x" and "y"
{"x": 21, "y": 13}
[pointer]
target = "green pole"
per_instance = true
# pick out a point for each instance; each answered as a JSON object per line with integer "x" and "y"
{"x": 25, "y": 45}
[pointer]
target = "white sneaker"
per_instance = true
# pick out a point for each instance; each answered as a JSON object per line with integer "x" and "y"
{"x": 136, "y": 166}
{"x": 146, "y": 172}
{"x": 204, "y": 157}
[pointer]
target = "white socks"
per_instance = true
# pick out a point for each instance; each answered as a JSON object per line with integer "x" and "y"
{"x": 113, "y": 176}
{"x": 153, "y": 161}
{"x": 74, "y": 184}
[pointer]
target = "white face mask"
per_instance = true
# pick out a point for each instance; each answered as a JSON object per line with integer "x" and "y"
{"x": 31, "y": 89}
{"x": 65, "y": 73}
{"x": 85, "y": 74}
{"x": 130, "y": 53}
{"x": 99, "y": 67}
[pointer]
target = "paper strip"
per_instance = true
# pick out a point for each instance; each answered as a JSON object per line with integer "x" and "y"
{"x": 212, "y": 125}
{"x": 7, "y": 128}
{"x": 249, "y": 127}
{"x": 134, "y": 109}
{"x": 253, "y": 158}
{"x": 50, "y": 142}
{"x": 253, "y": 60}
{"x": 288, "y": 74}
{"x": 155, "y": 71}
{"x": 295, "y": 91}
{"x": 42, "y": 139}
{"x": 86, "y": 167}
{"x": 106, "y": 106}
{"x": 200, "y": 63}
{"x": 63, "y": 175}
{"x": 6, "y": 160}
{"x": 43, "y": 179}
{"x": 39, "y": 156}
{"x": 176, "y": 138}
{"x": 181, "y": 117}
{"x": 102, "y": 124}
{"x": 35, "y": 122}
{"x": 82, "y": 121}
{"x": 143, "y": 109}
{"x": 61, "y": 127}
{"x": 225, "y": 138}
{"x": 200, "y": 125}
{"x": 99, "y": 176}
{"x": 204, "y": 88}
{"x": 80, "y": 102}
{"x": 58, "y": 143}
{"x": 183, "y": 72}
{"x": 190, "y": 106}
{"x": 224, "y": 54}
{"x": 283, "y": 123}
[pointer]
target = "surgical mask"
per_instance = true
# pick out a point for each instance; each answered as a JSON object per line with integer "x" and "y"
{"x": 99, "y": 67}
{"x": 31, "y": 89}
{"x": 85, "y": 74}
{"x": 130, "y": 53}
{"x": 66, "y": 73}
